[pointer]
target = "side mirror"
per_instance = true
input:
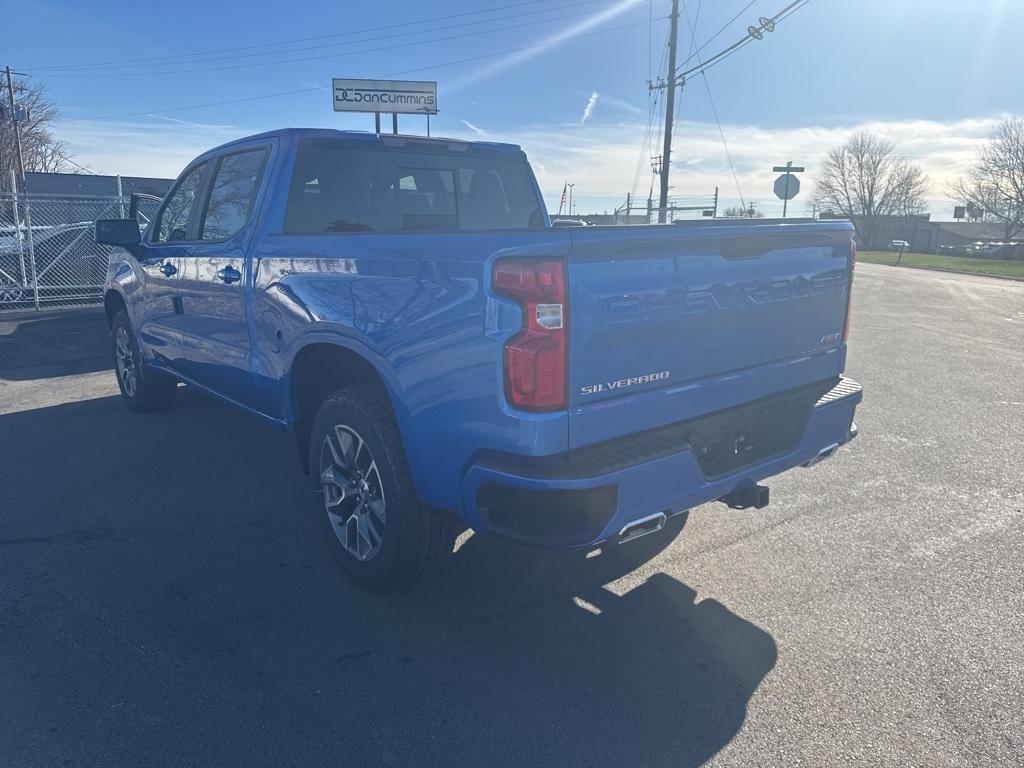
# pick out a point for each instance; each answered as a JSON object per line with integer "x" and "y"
{"x": 120, "y": 232}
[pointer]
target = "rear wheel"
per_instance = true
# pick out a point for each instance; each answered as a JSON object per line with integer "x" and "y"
{"x": 377, "y": 529}
{"x": 142, "y": 388}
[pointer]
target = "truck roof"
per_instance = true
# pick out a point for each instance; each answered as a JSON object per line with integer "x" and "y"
{"x": 297, "y": 134}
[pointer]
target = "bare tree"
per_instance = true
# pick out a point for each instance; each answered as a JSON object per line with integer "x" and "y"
{"x": 40, "y": 149}
{"x": 864, "y": 180}
{"x": 995, "y": 184}
{"x": 735, "y": 212}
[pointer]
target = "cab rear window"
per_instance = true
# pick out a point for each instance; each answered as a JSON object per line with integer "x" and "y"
{"x": 338, "y": 188}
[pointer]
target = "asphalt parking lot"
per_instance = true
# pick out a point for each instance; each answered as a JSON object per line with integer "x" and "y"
{"x": 166, "y": 598}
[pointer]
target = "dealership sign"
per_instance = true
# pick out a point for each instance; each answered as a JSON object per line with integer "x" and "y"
{"x": 416, "y": 97}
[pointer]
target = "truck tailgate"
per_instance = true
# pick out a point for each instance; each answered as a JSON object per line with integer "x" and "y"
{"x": 671, "y": 323}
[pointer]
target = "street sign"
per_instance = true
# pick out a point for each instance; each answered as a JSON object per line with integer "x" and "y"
{"x": 787, "y": 186}
{"x": 416, "y": 97}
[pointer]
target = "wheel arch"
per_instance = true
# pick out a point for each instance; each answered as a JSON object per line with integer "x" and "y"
{"x": 318, "y": 369}
{"x": 113, "y": 302}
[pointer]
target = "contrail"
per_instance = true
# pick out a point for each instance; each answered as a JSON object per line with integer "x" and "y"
{"x": 474, "y": 128}
{"x": 588, "y": 111}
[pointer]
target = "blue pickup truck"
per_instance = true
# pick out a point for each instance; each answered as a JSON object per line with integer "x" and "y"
{"x": 447, "y": 359}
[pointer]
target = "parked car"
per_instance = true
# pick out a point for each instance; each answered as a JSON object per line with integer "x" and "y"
{"x": 445, "y": 358}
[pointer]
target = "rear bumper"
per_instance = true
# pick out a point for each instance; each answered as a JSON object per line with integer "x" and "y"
{"x": 588, "y": 496}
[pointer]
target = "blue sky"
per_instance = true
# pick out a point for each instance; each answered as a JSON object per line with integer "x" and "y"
{"x": 934, "y": 75}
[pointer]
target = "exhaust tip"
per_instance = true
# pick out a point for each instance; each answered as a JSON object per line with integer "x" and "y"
{"x": 642, "y": 527}
{"x": 823, "y": 454}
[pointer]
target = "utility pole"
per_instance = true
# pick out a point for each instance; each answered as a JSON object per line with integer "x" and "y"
{"x": 17, "y": 130}
{"x": 670, "y": 111}
{"x": 21, "y": 182}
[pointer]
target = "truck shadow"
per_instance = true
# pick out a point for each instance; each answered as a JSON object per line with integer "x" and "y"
{"x": 635, "y": 672}
{"x": 640, "y": 672}
{"x": 45, "y": 345}
{"x": 165, "y": 592}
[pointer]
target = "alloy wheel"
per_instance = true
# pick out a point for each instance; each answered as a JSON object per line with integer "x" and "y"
{"x": 352, "y": 492}
{"x": 127, "y": 363}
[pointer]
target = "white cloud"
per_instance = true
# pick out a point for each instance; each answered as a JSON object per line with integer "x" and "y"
{"x": 159, "y": 148}
{"x": 589, "y": 109}
{"x": 602, "y": 158}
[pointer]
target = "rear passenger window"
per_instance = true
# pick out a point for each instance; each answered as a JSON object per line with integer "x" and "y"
{"x": 231, "y": 196}
{"x": 337, "y": 187}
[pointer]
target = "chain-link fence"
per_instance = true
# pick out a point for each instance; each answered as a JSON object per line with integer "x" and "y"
{"x": 48, "y": 253}
{"x": 679, "y": 208}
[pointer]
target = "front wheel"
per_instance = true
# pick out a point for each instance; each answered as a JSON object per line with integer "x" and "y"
{"x": 376, "y": 527}
{"x": 142, "y": 388}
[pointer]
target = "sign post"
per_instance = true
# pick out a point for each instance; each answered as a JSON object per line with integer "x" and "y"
{"x": 395, "y": 96}
{"x": 787, "y": 186}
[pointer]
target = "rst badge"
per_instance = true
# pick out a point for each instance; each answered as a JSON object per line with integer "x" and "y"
{"x": 632, "y": 381}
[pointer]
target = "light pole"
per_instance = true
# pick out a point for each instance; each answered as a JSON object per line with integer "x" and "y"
{"x": 570, "y": 198}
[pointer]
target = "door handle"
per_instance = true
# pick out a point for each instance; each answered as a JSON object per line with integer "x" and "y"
{"x": 229, "y": 275}
{"x": 168, "y": 269}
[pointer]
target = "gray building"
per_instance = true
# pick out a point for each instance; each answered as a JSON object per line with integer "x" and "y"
{"x": 946, "y": 236}
{"x": 927, "y": 236}
{"x": 89, "y": 185}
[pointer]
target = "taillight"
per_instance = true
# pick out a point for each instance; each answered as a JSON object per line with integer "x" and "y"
{"x": 849, "y": 294}
{"x": 535, "y": 357}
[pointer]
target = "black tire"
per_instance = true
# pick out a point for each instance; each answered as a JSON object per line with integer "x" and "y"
{"x": 411, "y": 539}
{"x": 142, "y": 388}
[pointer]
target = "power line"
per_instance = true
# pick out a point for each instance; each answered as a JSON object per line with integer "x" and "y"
{"x": 242, "y": 100}
{"x": 644, "y": 145}
{"x": 725, "y": 144}
{"x": 753, "y": 33}
{"x": 320, "y": 57}
{"x": 293, "y": 40}
{"x": 693, "y": 42}
{"x": 108, "y": 70}
{"x": 82, "y": 168}
{"x": 259, "y": 97}
{"x": 650, "y": 39}
{"x": 676, "y": 79}
{"x": 711, "y": 100}
{"x": 722, "y": 29}
{"x": 652, "y": 105}
{"x": 692, "y": 25}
